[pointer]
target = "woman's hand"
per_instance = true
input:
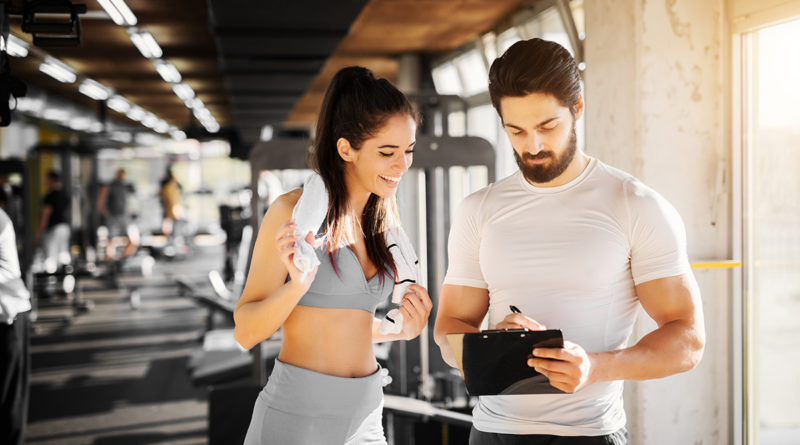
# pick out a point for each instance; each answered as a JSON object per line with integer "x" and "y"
{"x": 285, "y": 242}
{"x": 416, "y": 307}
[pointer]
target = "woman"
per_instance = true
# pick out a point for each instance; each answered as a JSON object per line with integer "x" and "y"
{"x": 326, "y": 385}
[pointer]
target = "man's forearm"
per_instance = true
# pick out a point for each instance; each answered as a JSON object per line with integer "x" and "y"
{"x": 450, "y": 326}
{"x": 675, "y": 347}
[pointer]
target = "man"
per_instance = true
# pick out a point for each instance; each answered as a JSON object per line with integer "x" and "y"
{"x": 54, "y": 231}
{"x": 15, "y": 305}
{"x": 112, "y": 203}
{"x": 576, "y": 245}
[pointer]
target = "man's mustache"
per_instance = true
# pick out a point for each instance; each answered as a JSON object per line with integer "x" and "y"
{"x": 538, "y": 156}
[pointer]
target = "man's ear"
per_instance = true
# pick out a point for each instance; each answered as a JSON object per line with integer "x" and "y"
{"x": 579, "y": 107}
{"x": 345, "y": 149}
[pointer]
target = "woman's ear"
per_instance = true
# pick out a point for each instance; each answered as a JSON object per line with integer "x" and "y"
{"x": 345, "y": 149}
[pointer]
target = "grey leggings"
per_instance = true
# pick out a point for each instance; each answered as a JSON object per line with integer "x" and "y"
{"x": 299, "y": 406}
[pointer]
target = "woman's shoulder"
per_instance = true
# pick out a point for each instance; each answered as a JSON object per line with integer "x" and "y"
{"x": 281, "y": 209}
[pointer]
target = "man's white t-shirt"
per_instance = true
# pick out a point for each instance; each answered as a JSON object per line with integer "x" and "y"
{"x": 568, "y": 257}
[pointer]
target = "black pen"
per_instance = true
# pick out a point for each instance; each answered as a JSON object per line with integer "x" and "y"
{"x": 514, "y": 309}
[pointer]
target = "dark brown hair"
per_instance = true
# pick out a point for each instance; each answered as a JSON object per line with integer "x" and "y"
{"x": 355, "y": 107}
{"x": 535, "y": 66}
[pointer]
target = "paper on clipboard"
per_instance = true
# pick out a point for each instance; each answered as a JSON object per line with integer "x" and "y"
{"x": 495, "y": 362}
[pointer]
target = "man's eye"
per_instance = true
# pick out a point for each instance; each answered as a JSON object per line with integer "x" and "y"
{"x": 552, "y": 127}
{"x": 387, "y": 155}
{"x": 409, "y": 152}
{"x": 516, "y": 133}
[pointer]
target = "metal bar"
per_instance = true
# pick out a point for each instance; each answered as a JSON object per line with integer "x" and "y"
{"x": 716, "y": 264}
{"x": 569, "y": 26}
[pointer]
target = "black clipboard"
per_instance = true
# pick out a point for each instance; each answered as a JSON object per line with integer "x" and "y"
{"x": 495, "y": 362}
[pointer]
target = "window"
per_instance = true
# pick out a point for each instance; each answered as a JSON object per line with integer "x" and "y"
{"x": 772, "y": 231}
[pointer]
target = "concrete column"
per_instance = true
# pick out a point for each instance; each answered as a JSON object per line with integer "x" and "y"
{"x": 656, "y": 94}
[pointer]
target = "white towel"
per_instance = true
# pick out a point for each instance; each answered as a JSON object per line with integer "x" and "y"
{"x": 309, "y": 214}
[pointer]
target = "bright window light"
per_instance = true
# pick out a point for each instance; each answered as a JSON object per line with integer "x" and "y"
{"x": 118, "y": 104}
{"x": 473, "y": 72}
{"x": 146, "y": 44}
{"x": 446, "y": 80}
{"x": 58, "y": 70}
{"x": 94, "y": 90}
{"x": 167, "y": 71}
{"x": 119, "y": 12}
{"x": 16, "y": 47}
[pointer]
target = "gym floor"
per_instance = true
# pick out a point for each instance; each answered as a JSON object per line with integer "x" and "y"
{"x": 115, "y": 375}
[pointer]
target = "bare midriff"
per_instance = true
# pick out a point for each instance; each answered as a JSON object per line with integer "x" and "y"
{"x": 329, "y": 341}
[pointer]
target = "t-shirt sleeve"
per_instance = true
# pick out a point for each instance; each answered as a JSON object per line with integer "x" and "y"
{"x": 463, "y": 245}
{"x": 657, "y": 235}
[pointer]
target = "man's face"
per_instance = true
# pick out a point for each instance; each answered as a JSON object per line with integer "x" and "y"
{"x": 542, "y": 133}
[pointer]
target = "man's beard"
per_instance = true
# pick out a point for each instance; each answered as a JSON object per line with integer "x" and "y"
{"x": 544, "y": 173}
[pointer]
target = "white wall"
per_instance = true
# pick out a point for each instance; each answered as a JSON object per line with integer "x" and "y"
{"x": 657, "y": 88}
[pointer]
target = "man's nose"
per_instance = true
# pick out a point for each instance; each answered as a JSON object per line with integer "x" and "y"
{"x": 535, "y": 143}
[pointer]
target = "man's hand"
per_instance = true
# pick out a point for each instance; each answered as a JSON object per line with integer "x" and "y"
{"x": 569, "y": 368}
{"x": 519, "y": 321}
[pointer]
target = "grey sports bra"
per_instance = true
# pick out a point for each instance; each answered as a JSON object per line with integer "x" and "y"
{"x": 350, "y": 288}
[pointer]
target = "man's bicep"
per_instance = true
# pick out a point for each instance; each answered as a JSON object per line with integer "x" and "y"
{"x": 464, "y": 303}
{"x": 671, "y": 299}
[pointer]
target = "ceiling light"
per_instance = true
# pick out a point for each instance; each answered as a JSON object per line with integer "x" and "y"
{"x": 56, "y": 114}
{"x": 266, "y": 133}
{"x": 178, "y": 135}
{"x": 94, "y": 90}
{"x": 121, "y": 136}
{"x": 161, "y": 126}
{"x": 201, "y": 113}
{"x": 184, "y": 91}
{"x": 57, "y": 70}
{"x": 212, "y": 127}
{"x": 80, "y": 123}
{"x": 167, "y": 71}
{"x": 119, "y": 12}
{"x": 118, "y": 104}
{"x": 195, "y": 103}
{"x": 146, "y": 44}
{"x": 149, "y": 120}
{"x": 135, "y": 113}
{"x": 16, "y": 47}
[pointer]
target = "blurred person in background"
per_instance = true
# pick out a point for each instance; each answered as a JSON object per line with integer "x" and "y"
{"x": 54, "y": 231}
{"x": 112, "y": 203}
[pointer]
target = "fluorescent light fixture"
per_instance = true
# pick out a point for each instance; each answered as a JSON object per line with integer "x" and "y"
{"x": 16, "y": 47}
{"x": 119, "y": 12}
{"x": 195, "y": 103}
{"x": 266, "y": 133}
{"x": 212, "y": 127}
{"x": 202, "y": 113}
{"x": 184, "y": 91}
{"x": 56, "y": 115}
{"x": 178, "y": 135}
{"x": 58, "y": 70}
{"x": 161, "y": 126}
{"x": 121, "y": 136}
{"x": 30, "y": 105}
{"x": 146, "y": 44}
{"x": 80, "y": 123}
{"x": 118, "y": 104}
{"x": 94, "y": 90}
{"x": 135, "y": 113}
{"x": 167, "y": 71}
{"x": 149, "y": 120}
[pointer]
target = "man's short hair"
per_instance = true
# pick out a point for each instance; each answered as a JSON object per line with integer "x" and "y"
{"x": 535, "y": 66}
